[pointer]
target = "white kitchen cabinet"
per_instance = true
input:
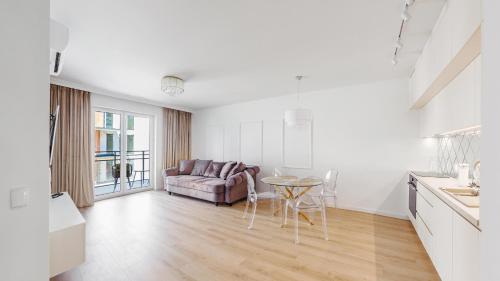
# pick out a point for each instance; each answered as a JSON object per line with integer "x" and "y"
{"x": 466, "y": 17}
{"x": 458, "y": 21}
{"x": 465, "y": 250}
{"x": 460, "y": 100}
{"x": 442, "y": 233}
{"x": 425, "y": 235}
{"x": 458, "y": 106}
{"x": 477, "y": 89}
{"x": 439, "y": 48}
{"x": 451, "y": 241}
{"x": 434, "y": 227}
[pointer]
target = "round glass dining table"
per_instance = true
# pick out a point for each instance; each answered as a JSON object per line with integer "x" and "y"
{"x": 292, "y": 188}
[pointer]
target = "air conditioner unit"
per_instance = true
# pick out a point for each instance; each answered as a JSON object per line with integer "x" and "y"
{"x": 59, "y": 37}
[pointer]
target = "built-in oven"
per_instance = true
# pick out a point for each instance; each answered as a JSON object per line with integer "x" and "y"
{"x": 412, "y": 199}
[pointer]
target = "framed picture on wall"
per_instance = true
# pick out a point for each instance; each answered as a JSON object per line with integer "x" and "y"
{"x": 251, "y": 142}
{"x": 297, "y": 146}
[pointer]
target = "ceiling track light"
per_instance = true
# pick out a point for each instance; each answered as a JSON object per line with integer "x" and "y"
{"x": 409, "y": 2}
{"x": 405, "y": 17}
{"x": 398, "y": 44}
{"x": 394, "y": 60}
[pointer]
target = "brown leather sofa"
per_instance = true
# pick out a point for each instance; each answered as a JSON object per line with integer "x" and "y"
{"x": 218, "y": 182}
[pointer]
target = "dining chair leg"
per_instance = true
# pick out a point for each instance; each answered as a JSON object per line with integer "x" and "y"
{"x": 253, "y": 214}
{"x": 273, "y": 208}
{"x": 323, "y": 218}
{"x": 282, "y": 205}
{"x": 280, "y": 208}
{"x": 285, "y": 213}
{"x": 246, "y": 208}
{"x": 312, "y": 218}
{"x": 296, "y": 219}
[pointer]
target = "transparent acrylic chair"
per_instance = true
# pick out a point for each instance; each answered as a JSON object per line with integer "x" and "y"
{"x": 283, "y": 208}
{"x": 316, "y": 202}
{"x": 277, "y": 173}
{"x": 253, "y": 197}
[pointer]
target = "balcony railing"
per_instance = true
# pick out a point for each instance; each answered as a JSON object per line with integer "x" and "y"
{"x": 107, "y": 170}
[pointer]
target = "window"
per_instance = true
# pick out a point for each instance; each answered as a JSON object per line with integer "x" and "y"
{"x": 130, "y": 142}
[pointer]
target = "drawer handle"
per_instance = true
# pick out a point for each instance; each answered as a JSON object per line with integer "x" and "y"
{"x": 420, "y": 193}
{"x": 425, "y": 224}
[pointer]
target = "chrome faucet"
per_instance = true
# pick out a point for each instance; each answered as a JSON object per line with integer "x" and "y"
{"x": 476, "y": 174}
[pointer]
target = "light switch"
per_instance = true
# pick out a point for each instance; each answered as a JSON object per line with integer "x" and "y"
{"x": 19, "y": 197}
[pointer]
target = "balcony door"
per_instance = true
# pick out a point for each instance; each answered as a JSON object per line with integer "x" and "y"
{"x": 123, "y": 145}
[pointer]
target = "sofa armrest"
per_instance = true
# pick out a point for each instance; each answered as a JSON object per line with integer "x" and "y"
{"x": 171, "y": 172}
{"x": 253, "y": 170}
{"x": 236, "y": 185}
{"x": 235, "y": 179}
{"x": 236, "y": 188}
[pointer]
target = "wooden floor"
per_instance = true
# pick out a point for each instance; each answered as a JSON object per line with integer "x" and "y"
{"x": 154, "y": 236}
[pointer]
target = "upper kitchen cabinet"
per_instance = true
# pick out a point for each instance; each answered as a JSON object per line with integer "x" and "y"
{"x": 466, "y": 17}
{"x": 455, "y": 42}
{"x": 457, "y": 106}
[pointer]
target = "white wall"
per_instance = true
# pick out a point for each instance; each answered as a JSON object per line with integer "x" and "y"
{"x": 365, "y": 131}
{"x": 24, "y": 113}
{"x": 155, "y": 112}
{"x": 490, "y": 143}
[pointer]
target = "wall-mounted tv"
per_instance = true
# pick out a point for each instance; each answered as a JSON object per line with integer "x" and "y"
{"x": 54, "y": 118}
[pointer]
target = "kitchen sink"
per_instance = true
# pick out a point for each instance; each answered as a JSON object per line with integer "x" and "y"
{"x": 465, "y": 195}
{"x": 461, "y": 191}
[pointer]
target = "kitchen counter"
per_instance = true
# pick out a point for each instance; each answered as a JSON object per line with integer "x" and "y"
{"x": 433, "y": 184}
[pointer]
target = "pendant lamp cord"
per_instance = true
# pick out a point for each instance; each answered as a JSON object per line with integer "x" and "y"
{"x": 298, "y": 77}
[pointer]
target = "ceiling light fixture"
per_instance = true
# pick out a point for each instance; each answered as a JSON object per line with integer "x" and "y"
{"x": 172, "y": 86}
{"x": 298, "y": 117}
{"x": 405, "y": 16}
{"x": 394, "y": 60}
{"x": 398, "y": 44}
{"x": 409, "y": 2}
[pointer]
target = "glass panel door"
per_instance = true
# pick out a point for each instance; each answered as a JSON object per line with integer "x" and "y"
{"x": 107, "y": 163}
{"x": 122, "y": 153}
{"x": 138, "y": 151}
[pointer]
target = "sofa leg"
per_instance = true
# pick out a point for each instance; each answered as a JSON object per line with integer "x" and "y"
{"x": 230, "y": 204}
{"x": 217, "y": 204}
{"x": 169, "y": 193}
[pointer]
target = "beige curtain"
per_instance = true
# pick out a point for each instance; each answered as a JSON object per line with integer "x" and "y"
{"x": 177, "y": 140}
{"x": 72, "y": 160}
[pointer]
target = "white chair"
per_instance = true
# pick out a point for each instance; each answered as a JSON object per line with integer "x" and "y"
{"x": 317, "y": 202}
{"x": 284, "y": 208}
{"x": 254, "y": 197}
{"x": 277, "y": 173}
{"x": 330, "y": 185}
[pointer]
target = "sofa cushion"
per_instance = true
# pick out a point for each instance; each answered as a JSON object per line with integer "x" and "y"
{"x": 182, "y": 180}
{"x": 186, "y": 167}
{"x": 213, "y": 185}
{"x": 214, "y": 169}
{"x": 200, "y": 166}
{"x": 240, "y": 167}
{"x": 226, "y": 169}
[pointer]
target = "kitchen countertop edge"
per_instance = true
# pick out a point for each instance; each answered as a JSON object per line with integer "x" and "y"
{"x": 466, "y": 212}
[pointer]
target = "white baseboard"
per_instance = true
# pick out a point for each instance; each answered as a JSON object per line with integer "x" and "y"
{"x": 375, "y": 212}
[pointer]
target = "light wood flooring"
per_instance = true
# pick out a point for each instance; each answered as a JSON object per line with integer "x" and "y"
{"x": 154, "y": 236}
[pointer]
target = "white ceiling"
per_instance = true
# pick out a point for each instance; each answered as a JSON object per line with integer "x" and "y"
{"x": 236, "y": 50}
